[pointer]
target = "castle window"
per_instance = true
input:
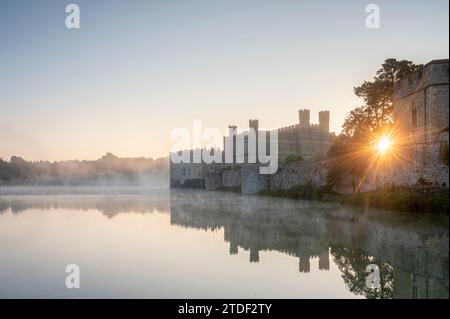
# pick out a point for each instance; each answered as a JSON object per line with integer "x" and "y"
{"x": 420, "y": 74}
{"x": 414, "y": 117}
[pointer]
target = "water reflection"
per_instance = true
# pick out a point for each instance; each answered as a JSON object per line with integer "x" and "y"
{"x": 110, "y": 202}
{"x": 411, "y": 250}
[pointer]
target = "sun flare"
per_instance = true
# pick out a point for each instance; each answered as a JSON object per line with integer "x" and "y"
{"x": 383, "y": 144}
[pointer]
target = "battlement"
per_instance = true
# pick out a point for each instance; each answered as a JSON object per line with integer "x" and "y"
{"x": 324, "y": 120}
{"x": 434, "y": 73}
{"x": 324, "y": 116}
{"x": 254, "y": 124}
{"x": 288, "y": 128}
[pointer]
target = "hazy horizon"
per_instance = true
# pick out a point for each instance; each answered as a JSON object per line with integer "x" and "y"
{"x": 134, "y": 71}
{"x": 89, "y": 160}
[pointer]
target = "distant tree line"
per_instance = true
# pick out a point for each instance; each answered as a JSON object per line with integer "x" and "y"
{"x": 108, "y": 168}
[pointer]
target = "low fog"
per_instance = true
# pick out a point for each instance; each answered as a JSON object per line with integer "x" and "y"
{"x": 107, "y": 171}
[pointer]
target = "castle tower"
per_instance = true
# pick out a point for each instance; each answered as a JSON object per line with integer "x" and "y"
{"x": 232, "y": 130}
{"x": 304, "y": 264}
{"x": 233, "y": 248}
{"x": 304, "y": 116}
{"x": 229, "y": 144}
{"x": 254, "y": 255}
{"x": 254, "y": 124}
{"x": 324, "y": 121}
{"x": 304, "y": 131}
{"x": 324, "y": 259}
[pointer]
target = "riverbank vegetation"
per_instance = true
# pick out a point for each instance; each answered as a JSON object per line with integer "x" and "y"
{"x": 398, "y": 198}
{"x": 291, "y": 157}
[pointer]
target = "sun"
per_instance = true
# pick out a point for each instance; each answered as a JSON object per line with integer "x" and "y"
{"x": 383, "y": 144}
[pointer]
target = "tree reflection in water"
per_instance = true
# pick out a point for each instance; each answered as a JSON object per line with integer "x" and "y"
{"x": 352, "y": 265}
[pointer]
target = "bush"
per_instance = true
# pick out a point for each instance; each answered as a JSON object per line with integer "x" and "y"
{"x": 291, "y": 158}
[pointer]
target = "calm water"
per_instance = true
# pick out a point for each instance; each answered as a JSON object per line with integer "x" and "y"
{"x": 144, "y": 243}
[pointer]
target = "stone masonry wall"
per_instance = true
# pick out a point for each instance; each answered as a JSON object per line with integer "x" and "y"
{"x": 253, "y": 182}
{"x": 427, "y": 166}
{"x": 231, "y": 177}
{"x": 288, "y": 175}
{"x": 438, "y": 106}
{"x": 299, "y": 173}
{"x": 213, "y": 181}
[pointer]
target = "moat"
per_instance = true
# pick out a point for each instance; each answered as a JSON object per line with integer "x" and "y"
{"x": 156, "y": 243}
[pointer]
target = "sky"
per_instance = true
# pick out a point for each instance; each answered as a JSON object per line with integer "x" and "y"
{"x": 136, "y": 70}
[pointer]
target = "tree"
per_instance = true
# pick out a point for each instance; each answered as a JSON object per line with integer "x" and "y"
{"x": 352, "y": 265}
{"x": 350, "y": 153}
{"x": 348, "y": 159}
{"x": 377, "y": 113}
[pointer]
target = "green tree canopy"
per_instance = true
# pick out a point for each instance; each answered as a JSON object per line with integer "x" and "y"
{"x": 377, "y": 112}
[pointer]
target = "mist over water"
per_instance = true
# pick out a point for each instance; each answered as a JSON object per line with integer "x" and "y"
{"x": 151, "y": 242}
{"x": 107, "y": 171}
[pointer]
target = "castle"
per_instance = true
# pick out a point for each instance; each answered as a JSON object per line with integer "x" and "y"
{"x": 304, "y": 139}
{"x": 421, "y": 109}
{"x": 420, "y": 136}
{"x": 309, "y": 141}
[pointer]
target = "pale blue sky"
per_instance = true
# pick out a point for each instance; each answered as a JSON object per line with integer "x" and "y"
{"x": 137, "y": 69}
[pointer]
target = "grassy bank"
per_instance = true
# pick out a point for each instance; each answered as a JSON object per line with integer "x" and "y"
{"x": 391, "y": 198}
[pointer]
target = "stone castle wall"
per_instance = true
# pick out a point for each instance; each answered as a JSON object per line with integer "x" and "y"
{"x": 251, "y": 181}
{"x": 427, "y": 168}
{"x": 299, "y": 173}
{"x": 438, "y": 99}
{"x": 288, "y": 175}
{"x": 231, "y": 177}
{"x": 421, "y": 109}
{"x": 213, "y": 181}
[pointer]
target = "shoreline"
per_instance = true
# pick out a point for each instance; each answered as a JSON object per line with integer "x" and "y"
{"x": 398, "y": 198}
{"x": 395, "y": 198}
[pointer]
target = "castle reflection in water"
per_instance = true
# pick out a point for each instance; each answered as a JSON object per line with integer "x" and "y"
{"x": 411, "y": 250}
